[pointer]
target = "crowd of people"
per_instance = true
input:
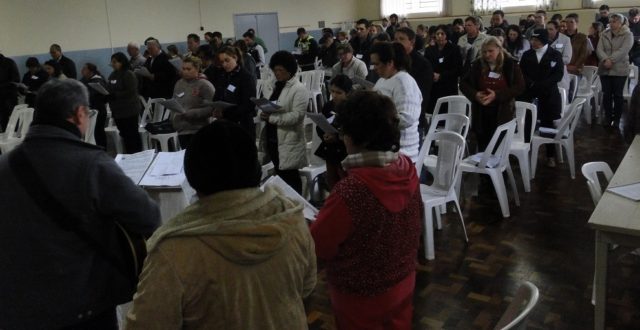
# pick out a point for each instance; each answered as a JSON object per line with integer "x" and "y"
{"x": 240, "y": 257}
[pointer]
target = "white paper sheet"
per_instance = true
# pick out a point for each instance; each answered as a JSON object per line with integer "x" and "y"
{"x": 309, "y": 211}
{"x": 135, "y": 165}
{"x": 631, "y": 191}
{"x": 165, "y": 171}
{"x": 144, "y": 72}
{"x": 492, "y": 162}
{"x": 99, "y": 88}
{"x": 322, "y": 122}
{"x": 266, "y": 105}
{"x": 173, "y": 105}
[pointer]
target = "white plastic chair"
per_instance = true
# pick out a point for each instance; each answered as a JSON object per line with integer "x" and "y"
{"x": 573, "y": 86}
{"x": 519, "y": 147}
{"x": 631, "y": 82}
{"x": 88, "y": 135}
{"x": 316, "y": 165}
{"x": 165, "y": 142}
{"x": 442, "y": 191}
{"x": 153, "y": 112}
{"x": 112, "y": 131}
{"x": 449, "y": 122}
{"x": 455, "y": 104}
{"x": 17, "y": 129}
{"x": 313, "y": 80}
{"x": 587, "y": 91}
{"x": 494, "y": 161}
{"x": 590, "y": 172}
{"x": 564, "y": 100}
{"x": 515, "y": 316}
{"x": 562, "y": 137}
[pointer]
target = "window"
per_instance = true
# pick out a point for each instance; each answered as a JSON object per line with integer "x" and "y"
{"x": 407, "y": 7}
{"x": 488, "y": 6}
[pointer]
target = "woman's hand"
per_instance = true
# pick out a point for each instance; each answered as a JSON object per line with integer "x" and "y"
{"x": 607, "y": 63}
{"x": 330, "y": 138}
{"x": 265, "y": 116}
{"x": 489, "y": 97}
{"x": 436, "y": 77}
{"x": 480, "y": 96}
{"x": 218, "y": 113}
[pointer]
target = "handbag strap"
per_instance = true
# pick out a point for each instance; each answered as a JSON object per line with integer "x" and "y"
{"x": 33, "y": 184}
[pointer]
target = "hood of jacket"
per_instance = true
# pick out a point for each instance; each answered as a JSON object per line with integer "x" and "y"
{"x": 393, "y": 185}
{"x": 245, "y": 226}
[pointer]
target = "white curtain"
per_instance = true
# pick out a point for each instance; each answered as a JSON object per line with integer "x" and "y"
{"x": 388, "y": 7}
{"x": 485, "y": 6}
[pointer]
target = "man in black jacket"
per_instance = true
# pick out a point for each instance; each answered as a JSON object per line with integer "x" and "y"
{"x": 9, "y": 75}
{"x": 542, "y": 69}
{"x": 59, "y": 268}
{"x": 163, "y": 74}
{"x": 420, "y": 69}
{"x": 362, "y": 42}
{"x": 68, "y": 66}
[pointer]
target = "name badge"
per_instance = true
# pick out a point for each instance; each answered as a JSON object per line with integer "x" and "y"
{"x": 553, "y": 64}
{"x": 359, "y": 56}
{"x": 113, "y": 82}
{"x": 494, "y": 75}
{"x": 441, "y": 60}
{"x": 371, "y": 67}
{"x": 180, "y": 95}
{"x": 559, "y": 46}
{"x": 231, "y": 88}
{"x": 34, "y": 77}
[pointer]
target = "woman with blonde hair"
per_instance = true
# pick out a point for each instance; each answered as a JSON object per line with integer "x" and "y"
{"x": 492, "y": 85}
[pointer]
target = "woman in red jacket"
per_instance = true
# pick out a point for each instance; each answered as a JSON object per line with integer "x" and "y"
{"x": 368, "y": 230}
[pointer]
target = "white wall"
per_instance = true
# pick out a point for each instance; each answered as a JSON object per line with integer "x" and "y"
{"x": 30, "y": 26}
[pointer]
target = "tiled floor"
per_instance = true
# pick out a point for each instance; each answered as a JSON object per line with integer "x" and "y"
{"x": 546, "y": 241}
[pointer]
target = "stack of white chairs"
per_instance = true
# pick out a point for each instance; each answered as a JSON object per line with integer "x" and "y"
{"x": 451, "y": 146}
{"x": 155, "y": 112}
{"x": 561, "y": 137}
{"x": 494, "y": 161}
{"x": 588, "y": 90}
{"x": 316, "y": 165}
{"x": 519, "y": 147}
{"x": 112, "y": 131}
{"x": 630, "y": 84}
{"x": 314, "y": 81}
{"x": 89, "y": 136}
{"x": 17, "y": 128}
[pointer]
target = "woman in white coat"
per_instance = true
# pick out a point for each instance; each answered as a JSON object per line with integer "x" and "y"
{"x": 391, "y": 62}
{"x": 283, "y": 137}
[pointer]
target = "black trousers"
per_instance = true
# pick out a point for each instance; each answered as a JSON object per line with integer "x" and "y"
{"x": 612, "y": 99}
{"x": 6, "y": 108}
{"x": 98, "y": 133}
{"x": 106, "y": 320}
{"x": 128, "y": 128}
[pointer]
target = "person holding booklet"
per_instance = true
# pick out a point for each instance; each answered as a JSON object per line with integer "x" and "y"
{"x": 238, "y": 258}
{"x": 192, "y": 91}
{"x": 124, "y": 102}
{"x": 239, "y": 87}
{"x": 332, "y": 148}
{"x": 283, "y": 137}
{"x": 97, "y": 100}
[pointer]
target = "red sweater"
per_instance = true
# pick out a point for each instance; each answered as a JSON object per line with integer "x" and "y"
{"x": 369, "y": 228}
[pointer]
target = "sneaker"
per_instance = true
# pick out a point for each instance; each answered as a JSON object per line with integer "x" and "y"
{"x": 551, "y": 162}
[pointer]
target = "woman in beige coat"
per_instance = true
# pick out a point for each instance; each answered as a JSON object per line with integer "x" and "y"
{"x": 238, "y": 258}
{"x": 613, "y": 69}
{"x": 283, "y": 137}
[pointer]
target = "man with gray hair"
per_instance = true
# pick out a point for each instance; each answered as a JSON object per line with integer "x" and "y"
{"x": 62, "y": 203}
{"x": 163, "y": 74}
{"x": 136, "y": 60}
{"x": 68, "y": 65}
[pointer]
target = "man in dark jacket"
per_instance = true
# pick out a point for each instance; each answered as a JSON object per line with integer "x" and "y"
{"x": 163, "y": 74}
{"x": 9, "y": 75}
{"x": 68, "y": 66}
{"x": 542, "y": 69}
{"x": 59, "y": 269}
{"x": 307, "y": 49}
{"x": 362, "y": 42}
{"x": 421, "y": 71}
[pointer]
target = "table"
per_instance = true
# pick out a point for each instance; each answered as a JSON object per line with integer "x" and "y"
{"x": 171, "y": 201}
{"x": 616, "y": 220}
